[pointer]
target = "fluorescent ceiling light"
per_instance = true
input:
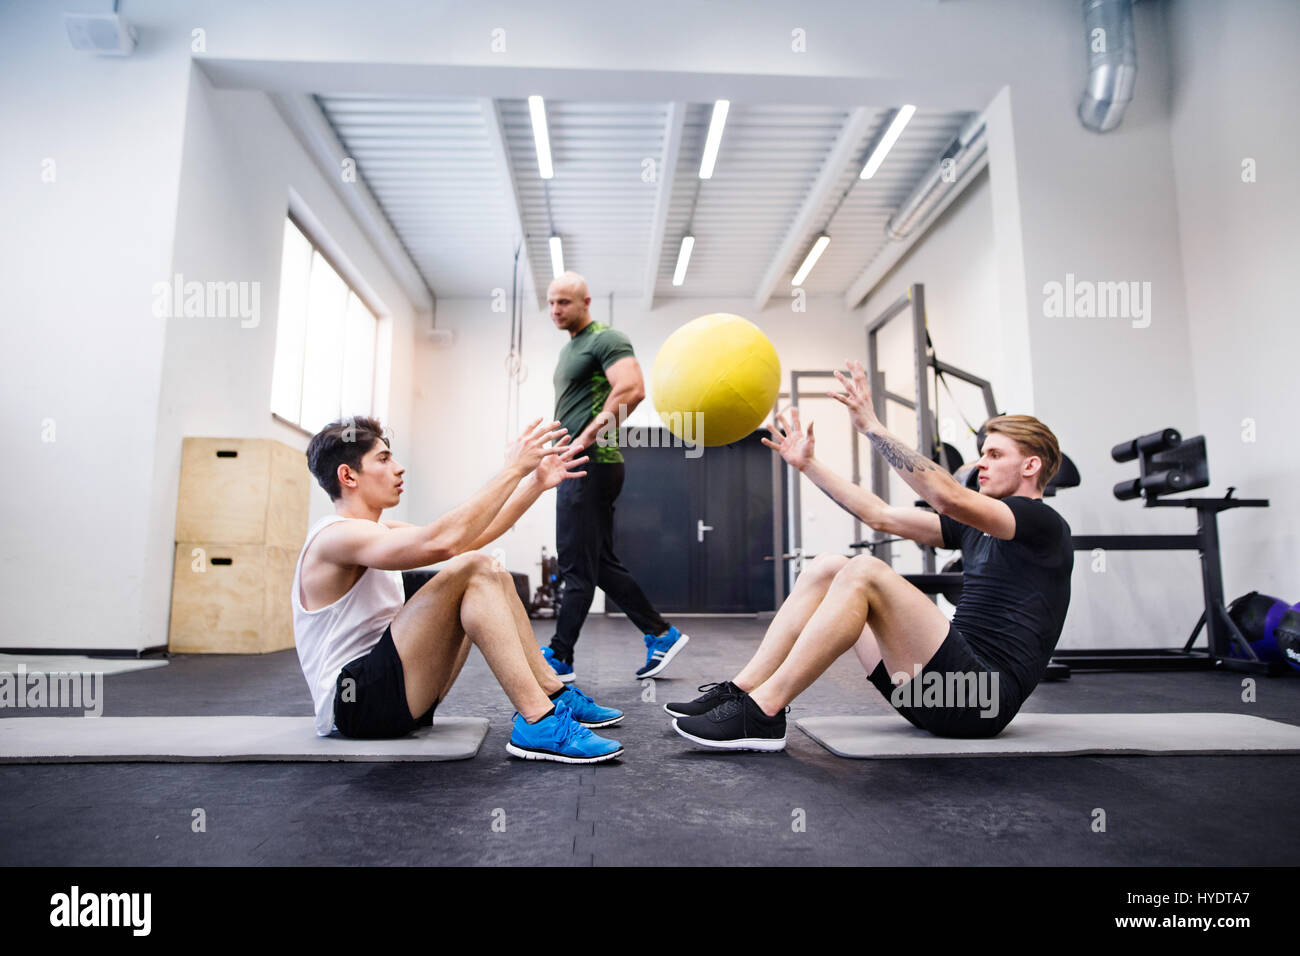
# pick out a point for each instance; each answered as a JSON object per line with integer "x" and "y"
{"x": 814, "y": 254}
{"x": 887, "y": 142}
{"x": 683, "y": 259}
{"x": 557, "y": 258}
{"x": 714, "y": 140}
{"x": 540, "y": 137}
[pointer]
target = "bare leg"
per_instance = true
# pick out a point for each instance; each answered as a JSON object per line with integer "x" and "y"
{"x": 464, "y": 600}
{"x": 489, "y": 624}
{"x": 907, "y": 630}
{"x": 791, "y": 618}
{"x": 868, "y": 650}
{"x": 542, "y": 671}
{"x": 462, "y": 653}
{"x": 429, "y": 638}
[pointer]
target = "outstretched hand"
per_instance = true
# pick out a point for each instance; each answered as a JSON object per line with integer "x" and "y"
{"x": 856, "y": 397}
{"x": 794, "y": 445}
{"x": 529, "y": 449}
{"x": 555, "y": 469}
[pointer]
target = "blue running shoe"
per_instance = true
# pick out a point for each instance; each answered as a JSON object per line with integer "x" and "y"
{"x": 560, "y": 737}
{"x": 563, "y": 670}
{"x": 661, "y": 650}
{"x": 586, "y": 711}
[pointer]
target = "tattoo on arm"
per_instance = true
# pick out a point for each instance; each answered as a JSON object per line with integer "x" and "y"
{"x": 900, "y": 456}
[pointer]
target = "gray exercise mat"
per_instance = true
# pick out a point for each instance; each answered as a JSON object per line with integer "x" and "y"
{"x": 1060, "y": 735}
{"x": 74, "y": 664}
{"x": 220, "y": 739}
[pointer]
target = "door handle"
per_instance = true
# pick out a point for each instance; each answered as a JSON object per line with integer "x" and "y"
{"x": 700, "y": 528}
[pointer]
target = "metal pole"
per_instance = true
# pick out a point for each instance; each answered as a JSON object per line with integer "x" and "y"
{"x": 924, "y": 417}
{"x": 879, "y": 479}
{"x": 778, "y": 500}
{"x": 797, "y": 521}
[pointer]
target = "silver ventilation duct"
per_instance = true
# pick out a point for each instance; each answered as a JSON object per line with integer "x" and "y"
{"x": 1112, "y": 63}
{"x": 968, "y": 146}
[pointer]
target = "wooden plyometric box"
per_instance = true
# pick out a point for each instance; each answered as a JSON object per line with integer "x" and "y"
{"x": 231, "y": 599}
{"x": 243, "y": 491}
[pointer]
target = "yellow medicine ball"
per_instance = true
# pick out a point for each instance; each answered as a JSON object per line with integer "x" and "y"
{"x": 716, "y": 379}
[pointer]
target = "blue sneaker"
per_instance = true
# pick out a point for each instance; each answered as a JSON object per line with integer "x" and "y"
{"x": 559, "y": 737}
{"x": 661, "y": 650}
{"x": 586, "y": 711}
{"x": 563, "y": 670}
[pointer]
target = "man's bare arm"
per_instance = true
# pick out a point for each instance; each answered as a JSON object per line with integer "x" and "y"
{"x": 928, "y": 479}
{"x": 796, "y": 447}
{"x": 368, "y": 544}
{"x": 523, "y": 498}
{"x": 627, "y": 391}
{"x": 550, "y": 473}
{"x": 916, "y": 524}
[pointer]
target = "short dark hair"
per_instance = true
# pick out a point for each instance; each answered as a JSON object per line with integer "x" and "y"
{"x": 344, "y": 442}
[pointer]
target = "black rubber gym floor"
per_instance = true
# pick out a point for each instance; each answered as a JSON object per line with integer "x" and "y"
{"x": 663, "y": 803}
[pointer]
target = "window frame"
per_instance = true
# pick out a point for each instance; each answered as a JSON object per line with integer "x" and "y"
{"x": 318, "y": 249}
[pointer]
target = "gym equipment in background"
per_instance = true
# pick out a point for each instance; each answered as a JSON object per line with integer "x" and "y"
{"x": 715, "y": 379}
{"x": 546, "y": 600}
{"x": 241, "y": 519}
{"x": 1168, "y": 465}
{"x": 412, "y": 581}
{"x": 788, "y": 563}
{"x": 1287, "y": 634}
{"x": 924, "y": 361}
{"x": 1270, "y": 625}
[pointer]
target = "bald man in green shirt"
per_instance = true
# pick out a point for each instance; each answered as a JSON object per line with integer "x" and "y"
{"x": 598, "y": 382}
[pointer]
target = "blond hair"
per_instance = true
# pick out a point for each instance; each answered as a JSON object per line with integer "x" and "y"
{"x": 1033, "y": 438}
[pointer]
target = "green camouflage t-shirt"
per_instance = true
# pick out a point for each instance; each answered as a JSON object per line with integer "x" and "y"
{"x": 580, "y": 383}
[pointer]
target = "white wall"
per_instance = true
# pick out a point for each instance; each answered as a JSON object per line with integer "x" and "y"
{"x": 1236, "y": 80}
{"x": 87, "y": 559}
{"x": 240, "y": 163}
{"x": 82, "y": 253}
{"x": 956, "y": 262}
{"x": 82, "y": 352}
{"x": 1103, "y": 208}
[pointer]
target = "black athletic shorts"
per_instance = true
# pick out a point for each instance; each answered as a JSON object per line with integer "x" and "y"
{"x": 375, "y": 706}
{"x": 956, "y": 694}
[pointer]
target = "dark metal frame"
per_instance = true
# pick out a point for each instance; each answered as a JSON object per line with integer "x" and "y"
{"x": 1221, "y": 633}
{"x": 922, "y": 361}
{"x": 796, "y": 505}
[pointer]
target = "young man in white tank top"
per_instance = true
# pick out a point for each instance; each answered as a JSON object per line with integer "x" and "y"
{"x": 377, "y": 665}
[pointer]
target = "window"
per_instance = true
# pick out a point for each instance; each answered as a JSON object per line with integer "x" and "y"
{"x": 324, "y": 342}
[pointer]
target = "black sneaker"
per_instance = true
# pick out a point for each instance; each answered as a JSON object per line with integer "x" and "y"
{"x": 713, "y": 695}
{"x": 736, "y": 723}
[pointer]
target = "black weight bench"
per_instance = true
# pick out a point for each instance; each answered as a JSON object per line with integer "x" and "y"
{"x": 412, "y": 581}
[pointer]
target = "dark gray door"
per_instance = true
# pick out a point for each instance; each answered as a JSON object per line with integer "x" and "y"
{"x": 694, "y": 532}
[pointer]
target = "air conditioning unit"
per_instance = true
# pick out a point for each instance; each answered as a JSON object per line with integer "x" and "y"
{"x": 103, "y": 33}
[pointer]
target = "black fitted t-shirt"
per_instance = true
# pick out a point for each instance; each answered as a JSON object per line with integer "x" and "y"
{"x": 1014, "y": 593}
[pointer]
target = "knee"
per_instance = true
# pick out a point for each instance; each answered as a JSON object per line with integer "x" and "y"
{"x": 823, "y": 568}
{"x": 471, "y": 564}
{"x": 863, "y": 571}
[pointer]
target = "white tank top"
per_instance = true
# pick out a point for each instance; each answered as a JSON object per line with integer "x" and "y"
{"x": 340, "y": 632}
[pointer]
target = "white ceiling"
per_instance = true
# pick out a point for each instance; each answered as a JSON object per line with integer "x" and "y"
{"x": 457, "y": 179}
